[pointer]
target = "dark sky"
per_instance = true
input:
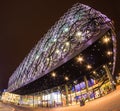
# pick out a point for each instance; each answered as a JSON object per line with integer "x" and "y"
{"x": 23, "y": 23}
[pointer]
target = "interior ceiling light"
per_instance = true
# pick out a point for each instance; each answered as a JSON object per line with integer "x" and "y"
{"x": 88, "y": 66}
{"x": 66, "y": 78}
{"x": 109, "y": 53}
{"x": 80, "y": 59}
{"x": 106, "y": 39}
{"x": 53, "y": 74}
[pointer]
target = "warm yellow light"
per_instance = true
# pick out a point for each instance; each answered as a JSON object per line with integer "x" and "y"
{"x": 88, "y": 66}
{"x": 94, "y": 72}
{"x": 64, "y": 50}
{"x": 119, "y": 73}
{"x": 57, "y": 51}
{"x": 109, "y": 53}
{"x": 66, "y": 78}
{"x": 47, "y": 59}
{"x": 67, "y": 43}
{"x": 106, "y": 39}
{"x": 75, "y": 82}
{"x": 103, "y": 66}
{"x": 110, "y": 63}
{"x": 78, "y": 33}
{"x": 80, "y": 59}
{"x": 53, "y": 74}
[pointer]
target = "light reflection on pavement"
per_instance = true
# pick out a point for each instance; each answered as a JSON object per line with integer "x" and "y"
{"x": 4, "y": 107}
{"x": 110, "y": 102}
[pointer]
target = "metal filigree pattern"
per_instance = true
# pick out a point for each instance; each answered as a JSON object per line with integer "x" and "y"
{"x": 72, "y": 33}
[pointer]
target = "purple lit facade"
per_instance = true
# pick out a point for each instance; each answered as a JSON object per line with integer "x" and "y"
{"x": 76, "y": 30}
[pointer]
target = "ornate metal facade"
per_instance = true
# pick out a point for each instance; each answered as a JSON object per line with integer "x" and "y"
{"x": 76, "y": 30}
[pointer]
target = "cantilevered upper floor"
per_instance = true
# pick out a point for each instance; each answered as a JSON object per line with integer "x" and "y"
{"x": 79, "y": 28}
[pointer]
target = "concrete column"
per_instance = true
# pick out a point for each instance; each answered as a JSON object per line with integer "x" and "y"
{"x": 61, "y": 97}
{"x": 109, "y": 75}
{"x": 51, "y": 97}
{"x": 70, "y": 97}
{"x": 86, "y": 84}
{"x": 21, "y": 100}
{"x": 75, "y": 94}
{"x": 37, "y": 98}
{"x": 40, "y": 98}
{"x": 33, "y": 100}
{"x": 47, "y": 99}
{"x": 27, "y": 99}
{"x": 66, "y": 90}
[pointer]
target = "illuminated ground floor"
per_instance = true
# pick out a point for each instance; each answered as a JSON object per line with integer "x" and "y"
{"x": 79, "y": 92}
{"x": 68, "y": 94}
{"x": 110, "y": 102}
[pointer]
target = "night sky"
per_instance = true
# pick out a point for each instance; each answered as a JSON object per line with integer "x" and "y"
{"x": 23, "y": 23}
